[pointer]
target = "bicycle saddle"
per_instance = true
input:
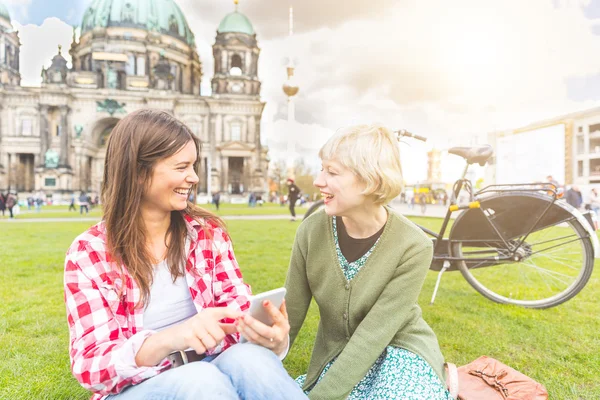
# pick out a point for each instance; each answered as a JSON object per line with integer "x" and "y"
{"x": 476, "y": 154}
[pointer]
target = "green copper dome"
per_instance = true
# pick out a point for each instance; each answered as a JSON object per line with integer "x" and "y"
{"x": 236, "y": 22}
{"x": 4, "y": 12}
{"x": 162, "y": 16}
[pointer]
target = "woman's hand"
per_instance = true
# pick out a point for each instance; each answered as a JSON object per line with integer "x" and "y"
{"x": 203, "y": 331}
{"x": 273, "y": 337}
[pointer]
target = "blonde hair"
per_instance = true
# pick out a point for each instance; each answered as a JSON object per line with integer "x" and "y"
{"x": 371, "y": 152}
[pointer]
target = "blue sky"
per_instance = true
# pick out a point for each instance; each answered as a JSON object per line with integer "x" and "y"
{"x": 69, "y": 11}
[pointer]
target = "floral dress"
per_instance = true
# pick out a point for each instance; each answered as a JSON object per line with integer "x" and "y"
{"x": 397, "y": 373}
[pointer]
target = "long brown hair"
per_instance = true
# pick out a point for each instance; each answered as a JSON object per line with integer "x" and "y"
{"x": 135, "y": 145}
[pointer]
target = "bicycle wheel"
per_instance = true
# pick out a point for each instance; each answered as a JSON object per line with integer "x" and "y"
{"x": 317, "y": 205}
{"x": 554, "y": 264}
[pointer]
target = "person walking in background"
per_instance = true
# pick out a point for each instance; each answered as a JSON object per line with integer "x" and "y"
{"x": 216, "y": 199}
{"x": 72, "y": 204}
{"x": 83, "y": 203}
{"x": 573, "y": 197}
{"x": 293, "y": 195}
{"x": 11, "y": 202}
{"x": 595, "y": 200}
{"x": 423, "y": 202}
{"x": 153, "y": 290}
{"x": 552, "y": 181}
{"x": 2, "y": 203}
{"x": 39, "y": 201}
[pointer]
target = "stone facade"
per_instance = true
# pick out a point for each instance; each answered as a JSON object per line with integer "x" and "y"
{"x": 53, "y": 137}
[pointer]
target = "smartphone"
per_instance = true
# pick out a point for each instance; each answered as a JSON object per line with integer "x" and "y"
{"x": 257, "y": 310}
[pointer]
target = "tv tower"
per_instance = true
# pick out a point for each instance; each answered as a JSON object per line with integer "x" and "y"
{"x": 291, "y": 89}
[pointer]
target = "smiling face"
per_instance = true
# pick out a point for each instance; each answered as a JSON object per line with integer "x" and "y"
{"x": 171, "y": 181}
{"x": 341, "y": 189}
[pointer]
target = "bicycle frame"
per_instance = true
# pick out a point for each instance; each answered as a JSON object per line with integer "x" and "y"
{"x": 442, "y": 245}
{"x": 508, "y": 236}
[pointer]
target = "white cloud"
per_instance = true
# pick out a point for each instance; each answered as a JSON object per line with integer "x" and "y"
{"x": 18, "y": 8}
{"x": 439, "y": 70}
{"x": 40, "y": 45}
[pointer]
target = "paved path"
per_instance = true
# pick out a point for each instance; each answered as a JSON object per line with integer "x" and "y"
{"x": 438, "y": 211}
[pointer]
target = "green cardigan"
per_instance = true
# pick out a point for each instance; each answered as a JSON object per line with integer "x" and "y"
{"x": 360, "y": 318}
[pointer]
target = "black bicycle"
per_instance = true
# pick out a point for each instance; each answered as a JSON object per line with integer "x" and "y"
{"x": 515, "y": 244}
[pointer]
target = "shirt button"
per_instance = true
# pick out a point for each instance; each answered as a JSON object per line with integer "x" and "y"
{"x": 345, "y": 316}
{"x": 347, "y": 286}
{"x": 347, "y": 337}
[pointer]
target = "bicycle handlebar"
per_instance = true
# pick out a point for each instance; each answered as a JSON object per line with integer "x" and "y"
{"x": 404, "y": 133}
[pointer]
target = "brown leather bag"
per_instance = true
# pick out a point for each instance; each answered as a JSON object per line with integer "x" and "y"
{"x": 488, "y": 379}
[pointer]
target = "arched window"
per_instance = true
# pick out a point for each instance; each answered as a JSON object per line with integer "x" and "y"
{"x": 130, "y": 68}
{"x": 236, "y": 65}
{"x": 141, "y": 66}
{"x": 105, "y": 134}
{"x": 174, "y": 77}
{"x": 236, "y": 131}
{"x": 173, "y": 24}
{"x": 128, "y": 13}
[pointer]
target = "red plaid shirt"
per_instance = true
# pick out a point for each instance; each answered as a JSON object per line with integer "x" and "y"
{"x": 106, "y": 330}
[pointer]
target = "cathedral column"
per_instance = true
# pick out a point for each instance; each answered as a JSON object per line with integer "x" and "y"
{"x": 3, "y": 160}
{"x": 12, "y": 171}
{"x": 225, "y": 173}
{"x": 44, "y": 139}
{"x": 247, "y": 174}
{"x": 224, "y": 62}
{"x": 258, "y": 148}
{"x": 64, "y": 137}
{"x": 248, "y": 63}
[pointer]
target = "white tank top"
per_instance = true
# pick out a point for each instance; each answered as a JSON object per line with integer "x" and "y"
{"x": 170, "y": 302}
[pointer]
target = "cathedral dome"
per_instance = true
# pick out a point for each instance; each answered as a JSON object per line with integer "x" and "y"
{"x": 162, "y": 16}
{"x": 236, "y": 22}
{"x": 4, "y": 12}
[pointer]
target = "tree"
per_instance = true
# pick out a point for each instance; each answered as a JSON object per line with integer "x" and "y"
{"x": 277, "y": 176}
{"x": 303, "y": 175}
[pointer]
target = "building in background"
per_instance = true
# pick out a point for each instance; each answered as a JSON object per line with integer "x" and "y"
{"x": 131, "y": 55}
{"x": 434, "y": 165}
{"x": 566, "y": 147}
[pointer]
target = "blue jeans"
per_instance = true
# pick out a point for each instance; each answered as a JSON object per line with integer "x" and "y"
{"x": 244, "y": 371}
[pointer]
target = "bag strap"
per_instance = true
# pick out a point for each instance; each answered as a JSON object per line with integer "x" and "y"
{"x": 452, "y": 379}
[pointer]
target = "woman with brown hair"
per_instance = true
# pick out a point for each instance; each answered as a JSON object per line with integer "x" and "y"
{"x": 155, "y": 286}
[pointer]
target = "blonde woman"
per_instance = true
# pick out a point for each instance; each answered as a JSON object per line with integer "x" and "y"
{"x": 152, "y": 290}
{"x": 364, "y": 264}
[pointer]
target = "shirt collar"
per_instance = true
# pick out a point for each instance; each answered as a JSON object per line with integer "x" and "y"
{"x": 193, "y": 227}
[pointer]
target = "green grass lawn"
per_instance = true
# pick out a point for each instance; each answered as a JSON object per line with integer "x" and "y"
{"x": 559, "y": 347}
{"x": 224, "y": 210}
